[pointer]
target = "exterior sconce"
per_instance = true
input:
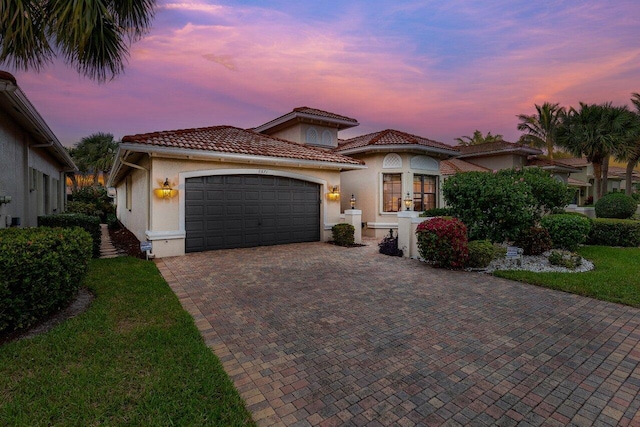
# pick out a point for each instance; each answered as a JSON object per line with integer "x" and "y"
{"x": 334, "y": 194}
{"x": 353, "y": 201}
{"x": 5, "y": 199}
{"x": 408, "y": 201}
{"x": 165, "y": 192}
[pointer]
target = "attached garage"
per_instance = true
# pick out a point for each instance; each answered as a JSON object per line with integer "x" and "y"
{"x": 238, "y": 211}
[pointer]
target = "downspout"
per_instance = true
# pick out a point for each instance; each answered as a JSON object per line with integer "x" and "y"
{"x": 132, "y": 165}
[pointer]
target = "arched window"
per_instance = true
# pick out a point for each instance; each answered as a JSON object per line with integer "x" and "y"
{"x": 327, "y": 139}
{"x": 312, "y": 136}
{"x": 392, "y": 161}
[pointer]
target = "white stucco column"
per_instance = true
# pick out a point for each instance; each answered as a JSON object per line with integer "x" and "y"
{"x": 354, "y": 217}
{"x": 405, "y": 231}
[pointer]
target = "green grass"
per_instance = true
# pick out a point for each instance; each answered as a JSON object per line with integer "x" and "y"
{"x": 134, "y": 358}
{"x": 616, "y": 276}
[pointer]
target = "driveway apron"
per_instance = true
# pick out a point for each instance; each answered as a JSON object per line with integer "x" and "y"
{"x": 314, "y": 334}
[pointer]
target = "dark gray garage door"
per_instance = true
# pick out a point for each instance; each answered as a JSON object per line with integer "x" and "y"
{"x": 239, "y": 211}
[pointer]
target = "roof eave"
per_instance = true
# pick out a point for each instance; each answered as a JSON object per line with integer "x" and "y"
{"x": 396, "y": 147}
{"x": 292, "y": 116}
{"x": 519, "y": 150}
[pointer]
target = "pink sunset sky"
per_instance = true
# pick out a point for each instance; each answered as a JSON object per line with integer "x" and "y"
{"x": 432, "y": 68}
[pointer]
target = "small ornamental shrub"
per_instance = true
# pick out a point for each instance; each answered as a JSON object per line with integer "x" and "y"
{"x": 112, "y": 222}
{"x": 343, "y": 234}
{"x": 567, "y": 231}
{"x": 42, "y": 269}
{"x": 565, "y": 259}
{"x": 443, "y": 242}
{"x": 616, "y": 205}
{"x": 96, "y": 196}
{"x": 534, "y": 241}
{"x": 437, "y": 212}
{"x": 389, "y": 245}
{"x": 91, "y": 224}
{"x": 614, "y": 232}
{"x": 481, "y": 253}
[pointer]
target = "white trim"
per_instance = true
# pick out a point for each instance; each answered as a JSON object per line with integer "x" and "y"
{"x": 382, "y": 224}
{"x": 165, "y": 235}
{"x": 398, "y": 147}
{"x": 182, "y": 176}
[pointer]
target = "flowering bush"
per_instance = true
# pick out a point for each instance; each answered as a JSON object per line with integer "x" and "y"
{"x": 535, "y": 241}
{"x": 443, "y": 242}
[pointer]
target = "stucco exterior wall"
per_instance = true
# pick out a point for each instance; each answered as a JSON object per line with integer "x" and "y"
{"x": 298, "y": 133}
{"x": 135, "y": 216}
{"x": 366, "y": 186}
{"x": 29, "y": 175}
{"x": 166, "y": 227}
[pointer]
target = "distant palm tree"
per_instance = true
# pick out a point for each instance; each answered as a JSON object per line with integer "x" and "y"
{"x": 478, "y": 138}
{"x": 540, "y": 128}
{"x": 94, "y": 155}
{"x": 93, "y": 36}
{"x": 630, "y": 152}
{"x": 596, "y": 131}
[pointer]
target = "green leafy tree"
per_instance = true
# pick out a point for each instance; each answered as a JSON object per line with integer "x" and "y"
{"x": 94, "y": 155}
{"x": 630, "y": 151}
{"x": 597, "y": 131}
{"x": 478, "y": 138}
{"x": 540, "y": 128}
{"x": 93, "y": 36}
{"x": 501, "y": 205}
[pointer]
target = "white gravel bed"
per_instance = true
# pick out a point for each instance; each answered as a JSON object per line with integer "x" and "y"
{"x": 537, "y": 263}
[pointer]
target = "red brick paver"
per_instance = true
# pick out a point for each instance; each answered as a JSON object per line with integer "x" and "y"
{"x": 314, "y": 334}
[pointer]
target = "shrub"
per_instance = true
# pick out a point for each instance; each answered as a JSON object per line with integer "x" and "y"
{"x": 343, "y": 234}
{"x": 443, "y": 242}
{"x": 83, "y": 208}
{"x": 41, "y": 271}
{"x": 481, "y": 253}
{"x": 589, "y": 201}
{"x": 389, "y": 245}
{"x": 499, "y": 206}
{"x": 615, "y": 232}
{"x": 96, "y": 196}
{"x": 616, "y": 205}
{"x": 437, "y": 212}
{"x": 91, "y": 224}
{"x": 112, "y": 222}
{"x": 565, "y": 259}
{"x": 567, "y": 231}
{"x": 534, "y": 241}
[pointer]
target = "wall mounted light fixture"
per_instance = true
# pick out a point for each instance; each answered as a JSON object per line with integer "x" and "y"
{"x": 166, "y": 191}
{"x": 352, "y": 201}
{"x": 334, "y": 193}
{"x": 408, "y": 201}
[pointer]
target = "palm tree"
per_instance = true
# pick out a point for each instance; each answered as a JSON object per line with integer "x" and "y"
{"x": 630, "y": 152}
{"x": 478, "y": 138}
{"x": 93, "y": 36}
{"x": 540, "y": 128}
{"x": 596, "y": 131}
{"x": 94, "y": 155}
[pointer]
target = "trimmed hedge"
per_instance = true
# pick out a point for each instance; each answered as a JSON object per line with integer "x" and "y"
{"x": 481, "y": 253}
{"x": 42, "y": 269}
{"x": 616, "y": 205}
{"x": 614, "y": 232}
{"x": 443, "y": 242}
{"x": 567, "y": 231}
{"x": 437, "y": 212}
{"x": 91, "y": 224}
{"x": 343, "y": 234}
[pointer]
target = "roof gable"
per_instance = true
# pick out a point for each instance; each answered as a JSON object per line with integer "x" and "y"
{"x": 497, "y": 147}
{"x": 307, "y": 115}
{"x": 453, "y": 166}
{"x": 391, "y": 138}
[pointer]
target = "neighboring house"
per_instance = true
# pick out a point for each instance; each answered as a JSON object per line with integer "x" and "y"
{"x": 400, "y": 166}
{"x": 498, "y": 155}
{"x": 232, "y": 187}
{"x": 33, "y": 163}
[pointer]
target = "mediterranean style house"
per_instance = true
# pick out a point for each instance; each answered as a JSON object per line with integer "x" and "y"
{"x": 33, "y": 162}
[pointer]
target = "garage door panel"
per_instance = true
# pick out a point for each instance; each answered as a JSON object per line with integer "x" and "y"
{"x": 250, "y": 210}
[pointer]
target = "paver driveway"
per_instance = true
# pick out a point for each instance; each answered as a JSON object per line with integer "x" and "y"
{"x": 314, "y": 334}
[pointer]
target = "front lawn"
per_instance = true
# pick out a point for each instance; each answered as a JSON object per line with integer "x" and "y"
{"x": 616, "y": 276}
{"x": 134, "y": 358}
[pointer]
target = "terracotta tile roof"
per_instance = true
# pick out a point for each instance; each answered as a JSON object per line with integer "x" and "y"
{"x": 391, "y": 137}
{"x": 619, "y": 172}
{"x": 316, "y": 112}
{"x": 497, "y": 147}
{"x": 577, "y": 183}
{"x": 577, "y": 162}
{"x": 229, "y": 139}
{"x": 453, "y": 166}
{"x": 546, "y": 163}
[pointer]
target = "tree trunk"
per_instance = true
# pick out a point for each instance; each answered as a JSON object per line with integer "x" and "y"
{"x": 628, "y": 176}
{"x": 605, "y": 176}
{"x": 550, "y": 145}
{"x": 597, "y": 174}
